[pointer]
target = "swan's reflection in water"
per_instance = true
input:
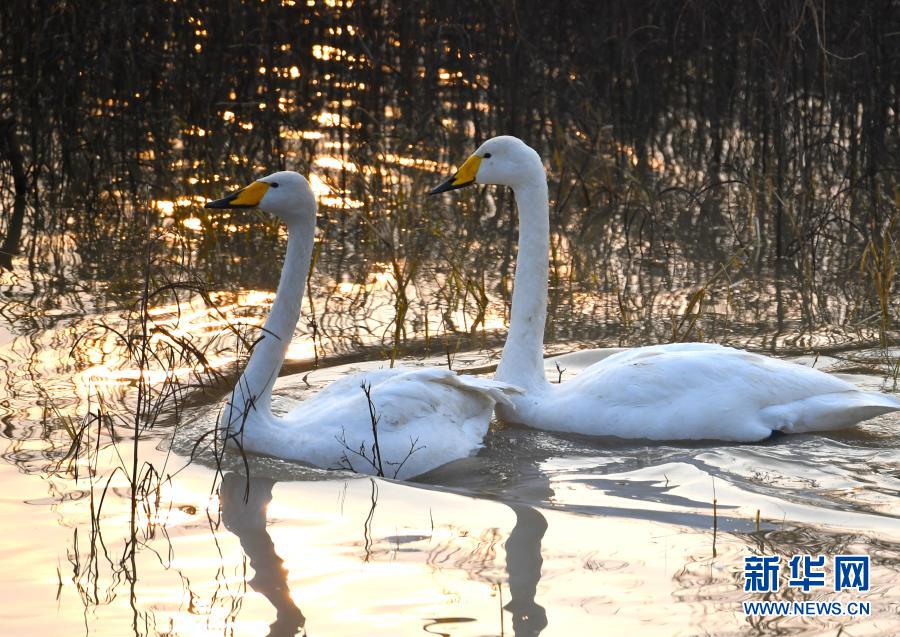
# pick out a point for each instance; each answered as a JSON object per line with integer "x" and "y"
{"x": 523, "y": 568}
{"x": 244, "y": 504}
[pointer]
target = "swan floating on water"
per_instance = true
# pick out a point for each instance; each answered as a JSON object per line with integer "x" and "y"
{"x": 425, "y": 417}
{"x": 663, "y": 392}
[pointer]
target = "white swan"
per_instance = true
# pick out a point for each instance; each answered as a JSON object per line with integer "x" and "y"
{"x": 664, "y": 392}
{"x": 426, "y": 417}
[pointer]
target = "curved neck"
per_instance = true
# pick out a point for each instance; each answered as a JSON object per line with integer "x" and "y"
{"x": 253, "y": 391}
{"x": 522, "y": 362}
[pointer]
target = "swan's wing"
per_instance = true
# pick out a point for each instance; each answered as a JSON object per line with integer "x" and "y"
{"x": 575, "y": 362}
{"x": 405, "y": 398}
{"x": 695, "y": 370}
{"x": 352, "y": 382}
{"x": 497, "y": 391}
{"x": 413, "y": 389}
{"x": 425, "y": 418}
{"x": 700, "y": 390}
{"x": 621, "y": 356}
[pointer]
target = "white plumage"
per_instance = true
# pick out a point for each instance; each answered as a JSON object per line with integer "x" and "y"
{"x": 665, "y": 392}
{"x": 696, "y": 391}
{"x": 425, "y": 417}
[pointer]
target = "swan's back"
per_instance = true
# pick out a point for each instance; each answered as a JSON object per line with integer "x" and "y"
{"x": 425, "y": 418}
{"x": 702, "y": 390}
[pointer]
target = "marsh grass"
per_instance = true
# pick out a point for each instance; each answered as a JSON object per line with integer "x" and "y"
{"x": 165, "y": 364}
{"x": 715, "y": 503}
{"x": 559, "y": 373}
{"x": 685, "y": 327}
{"x": 879, "y": 264}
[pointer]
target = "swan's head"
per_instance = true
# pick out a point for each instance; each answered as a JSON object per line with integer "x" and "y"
{"x": 286, "y": 194}
{"x": 504, "y": 160}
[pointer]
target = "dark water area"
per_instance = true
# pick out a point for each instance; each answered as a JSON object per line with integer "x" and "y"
{"x": 718, "y": 171}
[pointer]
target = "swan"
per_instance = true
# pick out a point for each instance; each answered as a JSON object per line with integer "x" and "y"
{"x": 684, "y": 391}
{"x": 425, "y": 417}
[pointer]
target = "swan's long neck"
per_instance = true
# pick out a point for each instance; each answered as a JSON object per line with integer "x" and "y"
{"x": 253, "y": 392}
{"x": 522, "y": 362}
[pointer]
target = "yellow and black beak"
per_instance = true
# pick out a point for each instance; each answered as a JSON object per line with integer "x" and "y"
{"x": 463, "y": 177}
{"x": 247, "y": 197}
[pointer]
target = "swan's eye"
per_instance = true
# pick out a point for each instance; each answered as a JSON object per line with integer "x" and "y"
{"x": 487, "y": 155}
{"x": 273, "y": 184}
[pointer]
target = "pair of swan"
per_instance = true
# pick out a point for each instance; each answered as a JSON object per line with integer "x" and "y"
{"x": 428, "y": 417}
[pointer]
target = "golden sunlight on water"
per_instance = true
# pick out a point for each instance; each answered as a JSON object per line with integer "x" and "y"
{"x": 104, "y": 367}
{"x": 328, "y": 195}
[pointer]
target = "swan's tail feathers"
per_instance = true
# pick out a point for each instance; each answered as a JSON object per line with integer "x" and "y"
{"x": 829, "y": 411}
{"x": 497, "y": 391}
